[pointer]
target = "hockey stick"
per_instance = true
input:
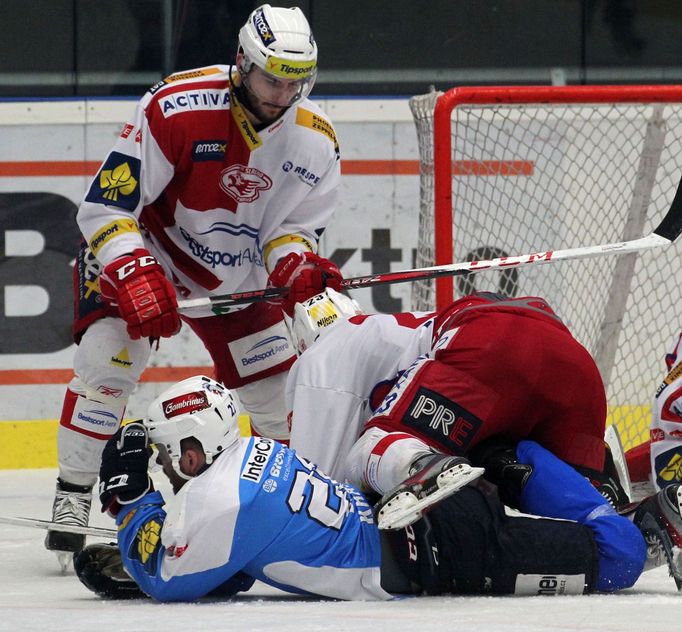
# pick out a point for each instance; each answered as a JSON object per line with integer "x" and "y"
{"x": 612, "y": 438}
{"x": 54, "y": 526}
{"x": 663, "y": 235}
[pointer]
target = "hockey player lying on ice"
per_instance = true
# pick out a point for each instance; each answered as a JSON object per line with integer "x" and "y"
{"x": 251, "y": 508}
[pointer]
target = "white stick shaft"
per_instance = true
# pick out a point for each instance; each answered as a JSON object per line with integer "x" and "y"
{"x": 468, "y": 267}
{"x": 66, "y": 528}
{"x": 582, "y": 252}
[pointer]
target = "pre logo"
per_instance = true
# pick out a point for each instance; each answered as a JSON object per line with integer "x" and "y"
{"x": 442, "y": 419}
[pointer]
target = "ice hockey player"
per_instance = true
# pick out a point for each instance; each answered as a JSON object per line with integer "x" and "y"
{"x": 319, "y": 536}
{"x": 350, "y": 372}
{"x": 484, "y": 366}
{"x": 223, "y": 181}
{"x": 659, "y": 460}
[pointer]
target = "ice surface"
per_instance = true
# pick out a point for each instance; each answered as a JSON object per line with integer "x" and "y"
{"x": 35, "y": 596}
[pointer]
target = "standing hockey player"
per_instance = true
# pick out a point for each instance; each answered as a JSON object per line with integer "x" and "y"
{"x": 319, "y": 536}
{"x": 223, "y": 181}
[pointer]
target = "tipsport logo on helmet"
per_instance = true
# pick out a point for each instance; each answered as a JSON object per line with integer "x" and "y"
{"x": 289, "y": 69}
{"x": 263, "y": 28}
{"x": 185, "y": 404}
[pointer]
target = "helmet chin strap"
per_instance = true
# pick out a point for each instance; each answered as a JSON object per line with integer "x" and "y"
{"x": 175, "y": 464}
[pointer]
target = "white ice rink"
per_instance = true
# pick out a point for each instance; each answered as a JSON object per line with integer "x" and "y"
{"x": 35, "y": 596}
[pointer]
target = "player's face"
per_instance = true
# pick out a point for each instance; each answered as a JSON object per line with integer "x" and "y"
{"x": 270, "y": 95}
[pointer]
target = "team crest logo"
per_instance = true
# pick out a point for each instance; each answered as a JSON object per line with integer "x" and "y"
{"x": 244, "y": 184}
{"x": 117, "y": 183}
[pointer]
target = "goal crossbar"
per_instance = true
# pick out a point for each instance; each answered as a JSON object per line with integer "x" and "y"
{"x": 556, "y": 95}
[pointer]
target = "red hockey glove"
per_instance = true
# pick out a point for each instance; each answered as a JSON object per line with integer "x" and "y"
{"x": 145, "y": 298}
{"x": 305, "y": 274}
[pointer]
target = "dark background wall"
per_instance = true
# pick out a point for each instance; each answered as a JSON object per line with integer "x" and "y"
{"x": 370, "y": 47}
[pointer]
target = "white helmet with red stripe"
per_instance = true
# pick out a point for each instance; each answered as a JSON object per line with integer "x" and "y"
{"x": 279, "y": 41}
{"x": 197, "y": 407}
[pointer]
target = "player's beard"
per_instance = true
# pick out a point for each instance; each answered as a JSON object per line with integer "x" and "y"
{"x": 250, "y": 100}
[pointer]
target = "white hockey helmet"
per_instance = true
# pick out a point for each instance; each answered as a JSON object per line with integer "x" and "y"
{"x": 197, "y": 407}
{"x": 319, "y": 312}
{"x": 279, "y": 41}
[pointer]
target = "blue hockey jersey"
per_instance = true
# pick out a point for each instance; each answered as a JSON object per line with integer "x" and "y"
{"x": 260, "y": 509}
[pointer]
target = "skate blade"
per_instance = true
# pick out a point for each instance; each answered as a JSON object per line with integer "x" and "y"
{"x": 675, "y": 566}
{"x": 65, "y": 559}
{"x": 405, "y": 509}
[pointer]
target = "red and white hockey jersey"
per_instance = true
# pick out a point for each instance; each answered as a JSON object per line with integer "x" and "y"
{"x": 334, "y": 384}
{"x": 666, "y": 425}
{"x": 217, "y": 202}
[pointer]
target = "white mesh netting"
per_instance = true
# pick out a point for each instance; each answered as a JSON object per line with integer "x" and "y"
{"x": 536, "y": 177}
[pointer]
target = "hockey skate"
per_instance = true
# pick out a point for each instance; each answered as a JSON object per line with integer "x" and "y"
{"x": 658, "y": 518}
{"x": 432, "y": 478}
{"x": 71, "y": 507}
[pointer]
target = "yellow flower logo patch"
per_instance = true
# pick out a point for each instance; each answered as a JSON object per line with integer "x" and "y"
{"x": 119, "y": 180}
{"x": 117, "y": 183}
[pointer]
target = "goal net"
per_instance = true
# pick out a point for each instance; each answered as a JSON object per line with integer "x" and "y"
{"x": 515, "y": 170}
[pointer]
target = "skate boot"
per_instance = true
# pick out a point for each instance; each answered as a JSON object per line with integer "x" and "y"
{"x": 658, "y": 518}
{"x": 432, "y": 478}
{"x": 71, "y": 507}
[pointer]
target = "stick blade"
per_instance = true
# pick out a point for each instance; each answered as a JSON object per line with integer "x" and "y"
{"x": 671, "y": 226}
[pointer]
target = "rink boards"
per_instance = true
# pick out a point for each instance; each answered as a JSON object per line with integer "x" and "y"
{"x": 49, "y": 151}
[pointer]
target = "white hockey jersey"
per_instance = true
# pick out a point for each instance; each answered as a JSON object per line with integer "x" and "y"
{"x": 217, "y": 202}
{"x": 666, "y": 424}
{"x": 262, "y": 510}
{"x": 334, "y": 384}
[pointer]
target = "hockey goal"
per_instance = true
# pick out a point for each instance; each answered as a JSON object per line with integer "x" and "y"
{"x": 515, "y": 170}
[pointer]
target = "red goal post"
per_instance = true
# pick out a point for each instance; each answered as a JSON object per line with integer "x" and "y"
{"x": 516, "y": 169}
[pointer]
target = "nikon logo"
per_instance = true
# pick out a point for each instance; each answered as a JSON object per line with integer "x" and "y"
{"x": 325, "y": 321}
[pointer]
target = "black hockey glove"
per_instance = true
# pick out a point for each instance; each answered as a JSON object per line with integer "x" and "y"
{"x": 100, "y": 569}
{"x": 502, "y": 468}
{"x": 123, "y": 476}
